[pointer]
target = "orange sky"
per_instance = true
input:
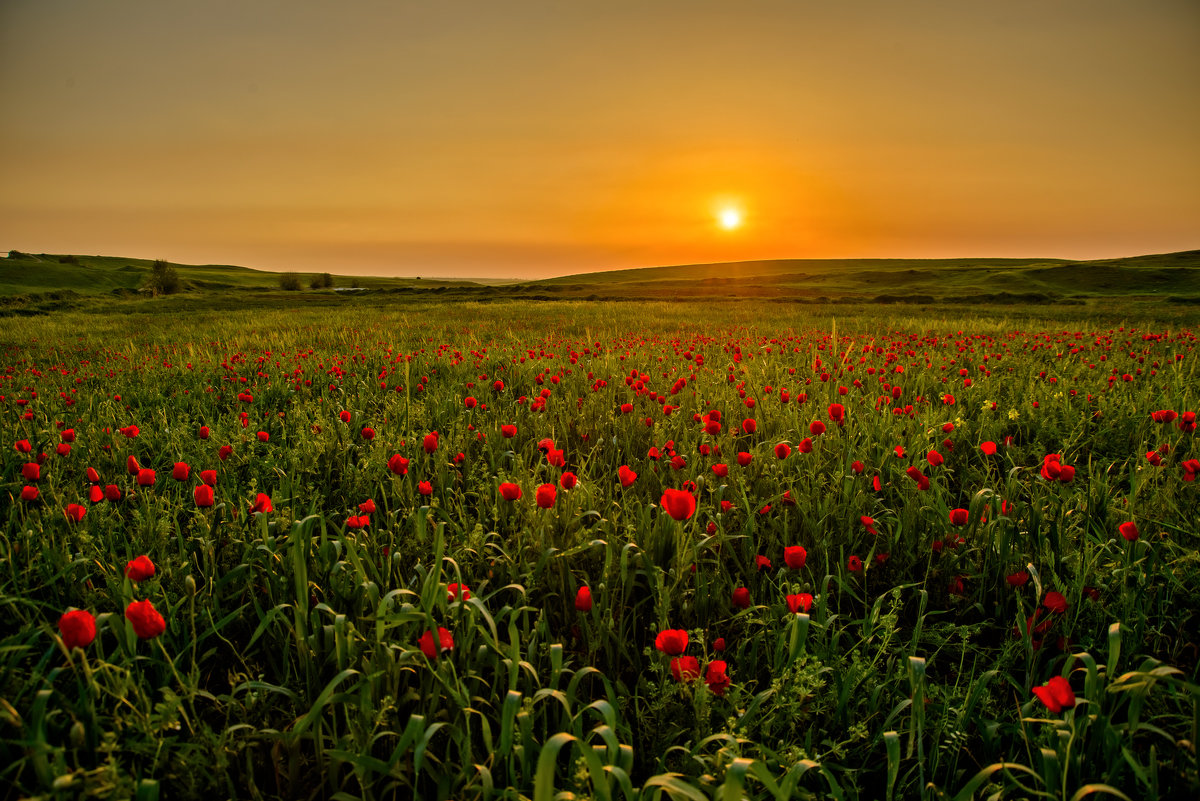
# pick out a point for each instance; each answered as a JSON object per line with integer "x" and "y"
{"x": 526, "y": 139}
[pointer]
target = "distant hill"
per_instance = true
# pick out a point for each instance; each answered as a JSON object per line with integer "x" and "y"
{"x": 917, "y": 280}
{"x": 26, "y": 273}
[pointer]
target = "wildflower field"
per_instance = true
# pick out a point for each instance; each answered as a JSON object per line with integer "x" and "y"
{"x": 609, "y": 551}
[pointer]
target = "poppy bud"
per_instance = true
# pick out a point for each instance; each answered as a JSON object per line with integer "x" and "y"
{"x": 583, "y": 600}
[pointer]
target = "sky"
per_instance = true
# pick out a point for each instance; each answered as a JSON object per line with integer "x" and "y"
{"x": 531, "y": 139}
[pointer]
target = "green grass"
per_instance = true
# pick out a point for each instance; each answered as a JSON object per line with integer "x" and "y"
{"x": 291, "y": 667}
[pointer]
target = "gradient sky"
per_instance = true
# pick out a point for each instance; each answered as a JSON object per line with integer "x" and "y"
{"x": 529, "y": 139}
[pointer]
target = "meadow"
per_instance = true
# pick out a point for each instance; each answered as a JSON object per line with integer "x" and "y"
{"x": 405, "y": 548}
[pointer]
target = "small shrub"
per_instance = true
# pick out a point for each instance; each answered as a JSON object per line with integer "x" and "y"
{"x": 164, "y": 279}
{"x": 322, "y": 281}
{"x": 289, "y": 282}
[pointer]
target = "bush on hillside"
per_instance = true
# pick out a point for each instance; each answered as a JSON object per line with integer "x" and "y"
{"x": 164, "y": 279}
{"x": 290, "y": 282}
{"x": 322, "y": 281}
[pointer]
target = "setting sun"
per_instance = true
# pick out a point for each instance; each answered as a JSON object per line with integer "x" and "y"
{"x": 730, "y": 219}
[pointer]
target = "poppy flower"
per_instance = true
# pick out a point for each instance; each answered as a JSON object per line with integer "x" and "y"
{"x": 358, "y": 522}
{"x": 367, "y": 433}
{"x": 857, "y": 467}
{"x": 935, "y": 459}
{"x": 799, "y": 603}
{"x": 626, "y": 476}
{"x": 510, "y": 492}
{"x": 816, "y": 428}
{"x": 1056, "y": 694}
{"x": 147, "y": 622}
{"x": 1066, "y": 473}
{"x": 741, "y": 598}
{"x": 203, "y": 495}
{"x": 1190, "y": 468}
{"x": 508, "y": 431}
{"x": 29, "y": 493}
{"x": 430, "y": 442}
{"x": 203, "y": 432}
{"x": 469, "y": 402}
{"x": 959, "y": 517}
{"x": 425, "y": 488}
{"x": 568, "y": 481}
{"x": 263, "y": 436}
{"x": 1129, "y": 530}
{"x": 672, "y": 642}
{"x": 868, "y": 523}
{"x": 794, "y": 556}
{"x": 62, "y": 449}
{"x": 262, "y": 504}
{"x": 546, "y": 494}
{"x": 1051, "y": 466}
{"x": 805, "y": 446}
{"x": 130, "y": 432}
{"x": 583, "y": 600}
{"x": 367, "y": 507}
{"x": 854, "y": 564}
{"x": 719, "y": 645}
{"x": 31, "y": 471}
{"x": 146, "y": 477}
{"x": 95, "y": 494}
{"x": 749, "y": 425}
{"x": 1018, "y": 579}
{"x": 716, "y": 678}
{"x": 93, "y": 476}
{"x": 139, "y": 569}
{"x": 112, "y": 493}
{"x": 398, "y": 464}
{"x": 988, "y": 448}
{"x": 344, "y": 415}
{"x": 460, "y": 591}
{"x": 782, "y": 450}
{"x": 762, "y": 563}
{"x": 743, "y": 459}
{"x": 685, "y": 669}
{"x": 209, "y": 477}
{"x": 555, "y": 458}
{"x": 679, "y": 504}
{"x": 224, "y": 452}
{"x": 23, "y": 446}
{"x": 1055, "y": 602}
{"x": 77, "y": 628}
{"x": 431, "y": 649}
{"x": 181, "y": 471}
{"x": 1164, "y": 416}
{"x": 75, "y": 512}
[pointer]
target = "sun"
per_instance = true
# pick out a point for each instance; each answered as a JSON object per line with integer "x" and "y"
{"x": 729, "y": 219}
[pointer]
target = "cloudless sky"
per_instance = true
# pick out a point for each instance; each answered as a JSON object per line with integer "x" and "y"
{"x": 529, "y": 139}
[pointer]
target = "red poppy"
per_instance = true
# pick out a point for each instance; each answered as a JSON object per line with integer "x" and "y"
{"x": 720, "y": 470}
{"x": 626, "y": 475}
{"x": 430, "y": 442}
{"x": 568, "y": 481}
{"x": 510, "y": 492}
{"x": 672, "y": 642}
{"x": 1055, "y": 602}
{"x": 358, "y": 522}
{"x": 224, "y": 452}
{"x": 508, "y": 431}
{"x": 425, "y": 488}
{"x": 857, "y": 467}
{"x": 1129, "y": 530}
{"x": 112, "y": 493}
{"x": 935, "y": 459}
{"x": 139, "y": 569}
{"x": 762, "y": 563}
{"x": 75, "y": 512}
{"x": 719, "y": 645}
{"x": 959, "y": 517}
{"x": 743, "y": 459}
{"x": 1018, "y": 579}
{"x": 367, "y": 433}
{"x": 203, "y": 495}
{"x": 988, "y": 448}
{"x": 23, "y": 446}
{"x": 181, "y": 471}
{"x": 460, "y": 591}
{"x": 685, "y": 669}
{"x": 1056, "y": 694}
{"x": 62, "y": 449}
{"x": 716, "y": 678}
{"x": 398, "y": 464}
{"x": 546, "y": 495}
{"x": 782, "y": 450}
{"x": 209, "y": 477}
{"x": 262, "y": 504}
{"x": 95, "y": 494}
{"x": 1051, "y": 466}
{"x": 1164, "y": 416}
{"x": 1191, "y": 468}
{"x": 445, "y": 642}
{"x": 146, "y": 477}
{"x": 469, "y": 402}
{"x": 794, "y": 556}
{"x": 147, "y": 622}
{"x": 29, "y": 493}
{"x": 679, "y": 504}
{"x": 555, "y": 458}
{"x": 77, "y": 628}
{"x": 816, "y": 428}
{"x": 741, "y": 598}
{"x": 31, "y": 471}
{"x": 868, "y": 523}
{"x": 749, "y": 426}
{"x": 854, "y": 564}
{"x": 263, "y": 436}
{"x": 203, "y": 432}
{"x": 799, "y": 603}
{"x": 92, "y": 475}
{"x": 1066, "y": 473}
{"x": 805, "y": 446}
{"x": 583, "y": 600}
{"x": 344, "y": 415}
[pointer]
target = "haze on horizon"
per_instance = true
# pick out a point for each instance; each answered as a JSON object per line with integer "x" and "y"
{"x": 530, "y": 139}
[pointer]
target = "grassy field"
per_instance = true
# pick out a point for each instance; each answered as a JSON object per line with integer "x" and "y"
{"x": 408, "y": 548}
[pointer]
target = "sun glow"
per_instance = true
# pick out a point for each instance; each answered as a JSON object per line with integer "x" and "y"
{"x": 729, "y": 219}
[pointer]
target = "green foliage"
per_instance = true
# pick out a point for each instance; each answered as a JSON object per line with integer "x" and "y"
{"x": 321, "y": 281}
{"x": 164, "y": 279}
{"x": 290, "y": 282}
